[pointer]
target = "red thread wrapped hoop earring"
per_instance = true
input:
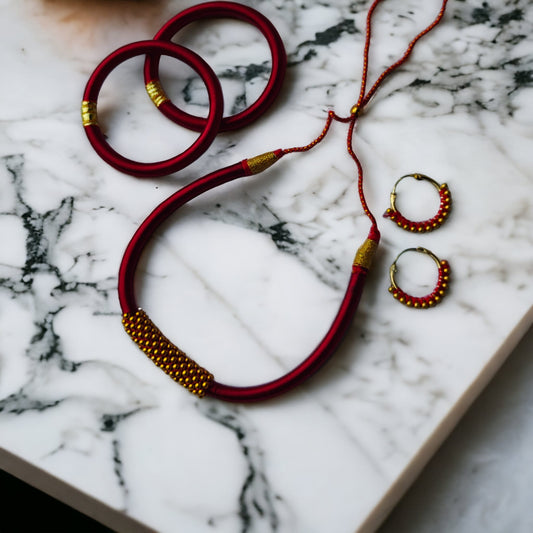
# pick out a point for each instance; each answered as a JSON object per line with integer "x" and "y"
{"x": 422, "y": 302}
{"x": 426, "y": 225}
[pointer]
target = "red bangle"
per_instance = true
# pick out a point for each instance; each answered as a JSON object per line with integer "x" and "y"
{"x": 176, "y": 363}
{"x": 218, "y": 10}
{"x": 149, "y": 170}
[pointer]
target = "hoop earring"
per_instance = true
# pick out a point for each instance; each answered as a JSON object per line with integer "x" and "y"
{"x": 422, "y": 302}
{"x": 426, "y": 225}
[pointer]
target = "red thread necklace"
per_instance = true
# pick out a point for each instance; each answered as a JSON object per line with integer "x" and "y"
{"x": 176, "y": 363}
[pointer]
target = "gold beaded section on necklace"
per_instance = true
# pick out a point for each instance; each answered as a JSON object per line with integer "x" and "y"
{"x": 166, "y": 355}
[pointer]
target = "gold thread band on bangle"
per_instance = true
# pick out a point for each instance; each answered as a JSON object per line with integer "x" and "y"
{"x": 365, "y": 254}
{"x": 156, "y": 93}
{"x": 89, "y": 116}
{"x": 261, "y": 162}
{"x": 166, "y": 355}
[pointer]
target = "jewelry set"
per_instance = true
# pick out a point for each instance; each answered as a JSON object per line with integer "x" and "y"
{"x": 164, "y": 354}
{"x": 424, "y": 226}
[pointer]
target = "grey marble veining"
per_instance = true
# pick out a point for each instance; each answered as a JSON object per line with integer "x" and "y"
{"x": 248, "y": 278}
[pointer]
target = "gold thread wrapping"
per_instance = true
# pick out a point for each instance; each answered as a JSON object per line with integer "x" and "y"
{"x": 166, "y": 355}
{"x": 365, "y": 254}
{"x": 89, "y": 116}
{"x": 156, "y": 92}
{"x": 261, "y": 162}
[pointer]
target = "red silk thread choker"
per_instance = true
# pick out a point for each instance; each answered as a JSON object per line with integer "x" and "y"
{"x": 160, "y": 349}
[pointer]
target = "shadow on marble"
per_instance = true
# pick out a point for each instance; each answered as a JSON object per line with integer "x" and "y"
{"x": 28, "y": 510}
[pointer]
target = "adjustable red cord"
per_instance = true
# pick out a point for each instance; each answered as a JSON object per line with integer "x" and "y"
{"x": 365, "y": 98}
{"x": 174, "y": 362}
{"x": 362, "y": 101}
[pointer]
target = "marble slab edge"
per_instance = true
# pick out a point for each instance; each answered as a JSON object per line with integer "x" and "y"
{"x": 69, "y": 495}
{"x": 414, "y": 468}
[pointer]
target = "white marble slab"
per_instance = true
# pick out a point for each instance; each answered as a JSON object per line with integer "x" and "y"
{"x": 247, "y": 279}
